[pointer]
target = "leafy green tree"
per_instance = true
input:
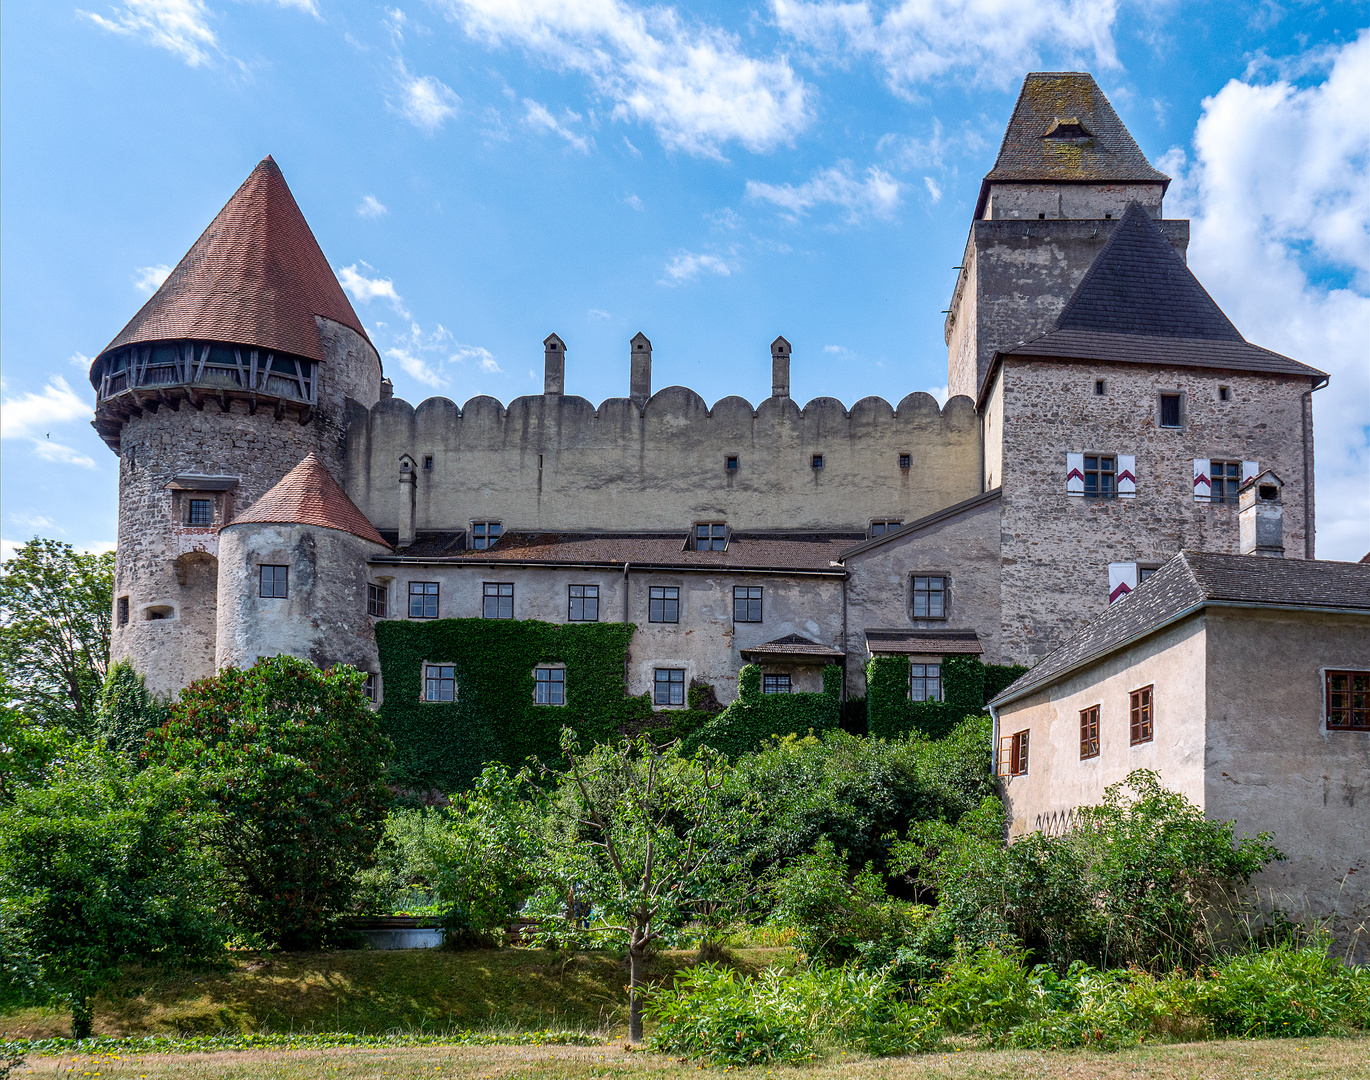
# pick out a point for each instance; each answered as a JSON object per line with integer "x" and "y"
{"x": 28, "y": 751}
{"x": 55, "y": 605}
{"x": 128, "y": 711}
{"x": 291, "y": 759}
{"x": 100, "y": 866}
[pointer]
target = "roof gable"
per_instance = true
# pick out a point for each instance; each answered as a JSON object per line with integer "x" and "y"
{"x": 308, "y": 495}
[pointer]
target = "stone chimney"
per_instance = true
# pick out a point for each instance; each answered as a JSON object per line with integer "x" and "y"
{"x": 408, "y": 498}
{"x": 1260, "y": 516}
{"x": 780, "y": 368}
{"x": 387, "y": 389}
{"x": 640, "y": 369}
{"x": 554, "y": 382}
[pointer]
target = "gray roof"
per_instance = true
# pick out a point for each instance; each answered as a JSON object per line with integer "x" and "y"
{"x": 905, "y": 531}
{"x": 792, "y": 647}
{"x": 1099, "y": 150}
{"x": 924, "y": 642}
{"x": 1193, "y": 580}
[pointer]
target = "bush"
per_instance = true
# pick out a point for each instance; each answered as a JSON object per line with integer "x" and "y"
{"x": 128, "y": 711}
{"x": 1286, "y": 992}
{"x": 754, "y": 717}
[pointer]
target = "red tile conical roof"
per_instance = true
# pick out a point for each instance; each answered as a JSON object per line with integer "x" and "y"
{"x": 255, "y": 277}
{"x": 308, "y": 495}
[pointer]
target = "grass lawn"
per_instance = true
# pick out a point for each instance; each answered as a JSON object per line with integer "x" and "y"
{"x": 1305, "y": 1059}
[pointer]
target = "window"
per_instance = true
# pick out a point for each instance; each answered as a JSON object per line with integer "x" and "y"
{"x": 484, "y": 534}
{"x": 1013, "y": 754}
{"x": 775, "y": 684}
{"x": 880, "y": 528}
{"x": 668, "y": 687}
{"x": 816, "y": 461}
{"x": 274, "y": 583}
{"x": 1348, "y": 701}
{"x": 730, "y": 463}
{"x": 1089, "y": 732}
{"x": 427, "y": 462}
{"x": 1099, "y": 387}
{"x": 121, "y": 611}
{"x": 369, "y": 687}
{"x": 1144, "y": 572}
{"x": 1170, "y": 410}
{"x": 423, "y": 599}
{"x": 499, "y": 600}
{"x": 1101, "y": 475}
{"x": 663, "y": 604}
{"x": 1225, "y": 478}
{"x": 375, "y": 601}
{"x": 1140, "y": 715}
{"x": 929, "y": 598}
{"x": 747, "y": 603}
{"x": 439, "y": 682}
{"x": 905, "y": 461}
{"x": 549, "y": 686}
{"x": 1224, "y": 393}
{"x": 201, "y": 512}
{"x": 159, "y": 611}
{"x": 712, "y": 536}
{"x": 583, "y": 603}
{"x": 925, "y": 682}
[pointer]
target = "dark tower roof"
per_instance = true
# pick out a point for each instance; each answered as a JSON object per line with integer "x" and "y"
{"x": 1064, "y": 130}
{"x": 308, "y": 495}
{"x": 255, "y": 277}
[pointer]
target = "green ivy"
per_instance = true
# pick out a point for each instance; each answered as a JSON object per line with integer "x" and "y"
{"x": 999, "y": 676}
{"x": 754, "y": 716}
{"x": 446, "y": 745}
{"x": 967, "y": 687}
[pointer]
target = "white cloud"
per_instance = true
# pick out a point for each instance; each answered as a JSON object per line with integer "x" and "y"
{"x": 1280, "y": 236}
{"x": 686, "y": 266}
{"x": 35, "y": 522}
{"x": 632, "y": 202}
{"x": 941, "y": 393}
{"x": 934, "y": 189}
{"x": 426, "y": 356}
{"x": 986, "y": 41}
{"x": 537, "y": 116}
{"x": 631, "y": 148}
{"x": 79, "y": 360}
{"x": 692, "y": 83}
{"x": 596, "y": 314}
{"x": 875, "y": 196}
{"x": 148, "y": 279}
{"x": 33, "y": 416}
{"x": 307, "y": 6}
{"x": 364, "y": 289}
{"x": 426, "y": 102}
{"x": 180, "y": 26}
{"x": 372, "y": 207}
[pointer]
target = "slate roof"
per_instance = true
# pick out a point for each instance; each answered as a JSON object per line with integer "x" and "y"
{"x": 255, "y": 277}
{"x": 1193, "y": 580}
{"x": 931, "y": 642}
{"x": 308, "y": 495}
{"x": 792, "y": 647}
{"x": 1103, "y": 152}
{"x": 946, "y": 513}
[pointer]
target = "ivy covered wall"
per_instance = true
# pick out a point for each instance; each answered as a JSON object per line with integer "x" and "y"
{"x": 754, "y": 716}
{"x": 967, "y": 686}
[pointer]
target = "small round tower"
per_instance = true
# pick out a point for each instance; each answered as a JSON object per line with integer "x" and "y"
{"x": 239, "y": 366}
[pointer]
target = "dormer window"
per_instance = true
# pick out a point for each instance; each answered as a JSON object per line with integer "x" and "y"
{"x": 1068, "y": 127}
{"x": 711, "y": 536}
{"x": 484, "y": 534}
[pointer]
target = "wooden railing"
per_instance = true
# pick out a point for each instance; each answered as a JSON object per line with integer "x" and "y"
{"x": 253, "y": 370}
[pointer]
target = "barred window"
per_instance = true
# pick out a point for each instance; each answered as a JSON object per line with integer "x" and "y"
{"x": 499, "y": 600}
{"x": 1140, "y": 715}
{"x": 668, "y": 686}
{"x": 905, "y": 461}
{"x": 484, "y": 534}
{"x": 775, "y": 684}
{"x": 712, "y": 536}
{"x": 550, "y": 686}
{"x": 201, "y": 512}
{"x": 929, "y": 597}
{"x": 375, "y": 600}
{"x": 1089, "y": 732}
{"x": 583, "y": 603}
{"x": 423, "y": 599}
{"x": 121, "y": 611}
{"x": 663, "y": 603}
{"x": 1101, "y": 477}
{"x": 1226, "y": 480}
{"x": 274, "y": 582}
{"x": 746, "y": 603}
{"x": 1170, "y": 410}
{"x": 1348, "y": 701}
{"x": 439, "y": 682}
{"x": 925, "y": 682}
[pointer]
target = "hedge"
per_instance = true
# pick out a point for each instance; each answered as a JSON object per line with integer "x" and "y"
{"x": 967, "y": 686}
{"x": 754, "y": 716}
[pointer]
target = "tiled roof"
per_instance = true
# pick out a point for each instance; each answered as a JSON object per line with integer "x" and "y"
{"x": 1191, "y": 580}
{"x": 931, "y": 642}
{"x": 746, "y": 551}
{"x": 308, "y": 495}
{"x": 792, "y": 646}
{"x": 937, "y": 516}
{"x": 255, "y": 277}
{"x": 1099, "y": 150}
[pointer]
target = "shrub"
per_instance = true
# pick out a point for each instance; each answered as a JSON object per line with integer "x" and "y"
{"x": 754, "y": 716}
{"x": 987, "y": 991}
{"x": 1286, "y": 992}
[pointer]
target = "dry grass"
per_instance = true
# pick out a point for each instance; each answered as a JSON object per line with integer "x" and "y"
{"x": 1304, "y": 1059}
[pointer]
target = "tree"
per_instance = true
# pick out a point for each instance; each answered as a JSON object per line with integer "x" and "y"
{"x": 54, "y": 631}
{"x": 640, "y": 833}
{"x": 98, "y": 867}
{"x": 128, "y": 711}
{"x": 291, "y": 759}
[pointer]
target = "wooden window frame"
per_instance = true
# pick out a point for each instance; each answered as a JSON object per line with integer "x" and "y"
{"x": 1161, "y": 396}
{"x": 549, "y": 682}
{"x": 377, "y": 600}
{"x": 670, "y": 683}
{"x": 1089, "y": 732}
{"x": 1356, "y": 711}
{"x": 434, "y": 683}
{"x": 589, "y": 597}
{"x": 1228, "y": 482}
{"x": 663, "y": 601}
{"x": 371, "y": 687}
{"x": 1105, "y": 480}
{"x": 280, "y": 582}
{"x": 1141, "y": 714}
{"x": 931, "y": 687}
{"x": 503, "y": 591}
{"x": 426, "y": 589}
{"x": 929, "y": 592}
{"x": 885, "y": 526}
{"x": 747, "y": 604}
{"x": 1013, "y": 753}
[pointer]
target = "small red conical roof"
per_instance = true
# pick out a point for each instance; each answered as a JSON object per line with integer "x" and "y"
{"x": 308, "y": 495}
{"x": 255, "y": 277}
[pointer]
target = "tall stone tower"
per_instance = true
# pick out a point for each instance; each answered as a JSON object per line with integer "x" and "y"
{"x": 240, "y": 365}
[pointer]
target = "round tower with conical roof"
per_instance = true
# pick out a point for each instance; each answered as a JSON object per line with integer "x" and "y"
{"x": 246, "y": 360}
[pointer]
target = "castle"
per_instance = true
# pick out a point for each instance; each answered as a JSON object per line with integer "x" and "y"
{"x": 275, "y": 497}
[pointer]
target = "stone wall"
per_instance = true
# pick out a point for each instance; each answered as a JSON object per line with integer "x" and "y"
{"x": 1096, "y": 202}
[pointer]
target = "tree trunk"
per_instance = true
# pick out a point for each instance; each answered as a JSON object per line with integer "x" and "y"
{"x": 82, "y": 1015}
{"x": 635, "y": 958}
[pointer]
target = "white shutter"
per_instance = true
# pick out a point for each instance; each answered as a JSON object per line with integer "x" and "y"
{"x": 1122, "y": 579}
{"x": 1249, "y": 471}
{"x": 1203, "y": 486}
{"x": 1127, "y": 476}
{"x": 1075, "y": 474}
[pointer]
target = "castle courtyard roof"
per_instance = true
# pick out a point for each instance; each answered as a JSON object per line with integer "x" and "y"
{"x": 794, "y": 648}
{"x": 308, "y": 495}
{"x": 900, "y": 642}
{"x": 255, "y": 277}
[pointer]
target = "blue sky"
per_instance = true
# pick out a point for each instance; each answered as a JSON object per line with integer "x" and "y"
{"x": 483, "y": 172}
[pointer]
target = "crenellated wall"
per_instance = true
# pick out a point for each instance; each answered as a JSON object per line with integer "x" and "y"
{"x": 556, "y": 462}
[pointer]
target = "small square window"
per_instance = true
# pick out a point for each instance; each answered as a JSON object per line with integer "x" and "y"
{"x": 905, "y": 461}
{"x": 274, "y": 582}
{"x": 816, "y": 461}
{"x": 880, "y": 528}
{"x": 1140, "y": 715}
{"x": 484, "y": 534}
{"x": 201, "y": 512}
{"x": 427, "y": 462}
{"x": 929, "y": 597}
{"x": 668, "y": 686}
{"x": 499, "y": 600}
{"x": 711, "y": 537}
{"x": 1170, "y": 410}
{"x": 439, "y": 682}
{"x": 1099, "y": 387}
{"x": 663, "y": 604}
{"x": 775, "y": 684}
{"x": 423, "y": 599}
{"x": 121, "y": 611}
{"x": 1348, "y": 701}
{"x": 925, "y": 682}
{"x": 1101, "y": 475}
{"x": 730, "y": 463}
{"x": 1224, "y": 393}
{"x": 582, "y": 603}
{"x": 1089, "y": 732}
{"x": 369, "y": 687}
{"x": 746, "y": 603}
{"x": 375, "y": 600}
{"x": 549, "y": 686}
{"x": 1041, "y": 217}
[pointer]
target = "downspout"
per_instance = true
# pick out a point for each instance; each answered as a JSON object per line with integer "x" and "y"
{"x": 994, "y": 746}
{"x": 843, "y": 699}
{"x": 626, "y": 564}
